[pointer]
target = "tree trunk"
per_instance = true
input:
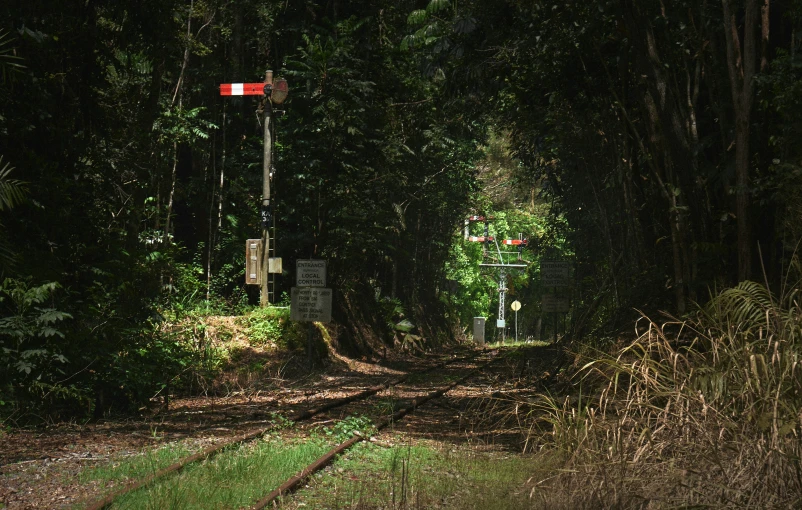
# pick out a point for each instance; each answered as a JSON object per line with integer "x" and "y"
{"x": 214, "y": 232}
{"x": 166, "y": 238}
{"x": 670, "y": 126}
{"x": 741, "y": 66}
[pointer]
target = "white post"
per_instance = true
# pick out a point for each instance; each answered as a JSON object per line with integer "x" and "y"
{"x": 516, "y": 305}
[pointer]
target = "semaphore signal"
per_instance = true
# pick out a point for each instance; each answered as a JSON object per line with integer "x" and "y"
{"x": 258, "y": 251}
{"x": 275, "y": 90}
{"x": 502, "y": 266}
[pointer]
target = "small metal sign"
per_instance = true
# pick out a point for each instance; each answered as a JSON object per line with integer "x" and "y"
{"x": 274, "y": 265}
{"x": 479, "y": 330}
{"x": 310, "y": 273}
{"x": 310, "y": 304}
{"x": 554, "y": 304}
{"x": 555, "y": 273}
{"x": 515, "y": 305}
{"x": 501, "y": 323}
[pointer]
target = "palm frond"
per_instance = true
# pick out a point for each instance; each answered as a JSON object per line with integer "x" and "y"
{"x": 8, "y": 256}
{"x": 9, "y": 62}
{"x": 745, "y": 305}
{"x": 12, "y": 191}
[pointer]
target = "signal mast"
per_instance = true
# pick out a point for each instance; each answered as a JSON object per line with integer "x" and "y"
{"x": 501, "y": 265}
{"x": 259, "y": 263}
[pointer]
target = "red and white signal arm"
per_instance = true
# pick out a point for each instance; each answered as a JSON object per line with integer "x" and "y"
{"x": 278, "y": 91}
{"x": 515, "y": 242}
{"x": 479, "y": 239}
{"x": 242, "y": 89}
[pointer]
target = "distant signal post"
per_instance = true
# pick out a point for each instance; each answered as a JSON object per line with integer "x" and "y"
{"x": 502, "y": 266}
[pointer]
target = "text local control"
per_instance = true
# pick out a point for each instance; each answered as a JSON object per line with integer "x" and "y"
{"x": 313, "y": 279}
{"x": 311, "y": 273}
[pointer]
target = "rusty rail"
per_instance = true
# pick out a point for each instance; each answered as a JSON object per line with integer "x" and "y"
{"x": 249, "y": 436}
{"x": 293, "y": 483}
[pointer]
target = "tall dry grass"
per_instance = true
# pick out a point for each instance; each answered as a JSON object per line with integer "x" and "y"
{"x": 703, "y": 412}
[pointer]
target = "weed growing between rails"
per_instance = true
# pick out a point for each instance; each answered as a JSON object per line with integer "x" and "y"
{"x": 701, "y": 412}
{"x": 234, "y": 479}
{"x": 135, "y": 466}
{"x": 419, "y": 476}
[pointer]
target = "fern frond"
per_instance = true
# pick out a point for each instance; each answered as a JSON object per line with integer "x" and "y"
{"x": 745, "y": 305}
{"x": 9, "y": 63}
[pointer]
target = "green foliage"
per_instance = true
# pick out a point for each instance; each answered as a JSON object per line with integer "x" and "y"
{"x": 272, "y": 326}
{"x": 177, "y": 125}
{"x": 744, "y": 306}
{"x": 517, "y": 209}
{"x": 393, "y": 313}
{"x": 136, "y": 466}
{"x": 143, "y": 182}
{"x": 31, "y": 339}
{"x": 232, "y": 479}
{"x": 432, "y": 27}
{"x": 425, "y": 476}
{"x": 12, "y": 191}
{"x": 280, "y": 422}
{"x": 346, "y": 428}
{"x": 10, "y": 64}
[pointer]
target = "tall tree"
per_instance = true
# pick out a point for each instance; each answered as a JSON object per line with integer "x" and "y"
{"x": 742, "y": 59}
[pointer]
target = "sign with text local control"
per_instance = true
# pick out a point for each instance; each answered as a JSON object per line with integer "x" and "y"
{"x": 555, "y": 273}
{"x": 310, "y": 273}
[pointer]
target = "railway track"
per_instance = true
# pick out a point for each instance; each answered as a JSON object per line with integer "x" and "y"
{"x": 294, "y": 482}
{"x": 300, "y": 416}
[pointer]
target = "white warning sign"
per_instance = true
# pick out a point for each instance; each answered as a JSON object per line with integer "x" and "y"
{"x": 310, "y": 304}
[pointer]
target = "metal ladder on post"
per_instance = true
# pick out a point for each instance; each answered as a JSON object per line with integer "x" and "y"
{"x": 271, "y": 277}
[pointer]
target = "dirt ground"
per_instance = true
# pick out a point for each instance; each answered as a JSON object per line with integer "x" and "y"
{"x": 40, "y": 467}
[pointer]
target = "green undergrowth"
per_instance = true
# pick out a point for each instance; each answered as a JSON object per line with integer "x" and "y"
{"x": 233, "y": 352}
{"x": 232, "y": 479}
{"x": 344, "y": 429}
{"x": 272, "y": 325}
{"x": 236, "y": 477}
{"x": 139, "y": 465}
{"x": 420, "y": 476}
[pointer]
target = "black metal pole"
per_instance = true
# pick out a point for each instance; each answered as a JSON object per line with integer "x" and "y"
{"x": 309, "y": 349}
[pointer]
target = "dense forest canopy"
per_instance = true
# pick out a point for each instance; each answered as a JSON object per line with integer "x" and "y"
{"x": 654, "y": 144}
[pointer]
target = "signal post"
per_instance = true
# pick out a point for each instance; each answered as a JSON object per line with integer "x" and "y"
{"x": 259, "y": 264}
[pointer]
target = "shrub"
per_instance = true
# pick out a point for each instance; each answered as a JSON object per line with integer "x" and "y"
{"x": 30, "y": 340}
{"x": 268, "y": 325}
